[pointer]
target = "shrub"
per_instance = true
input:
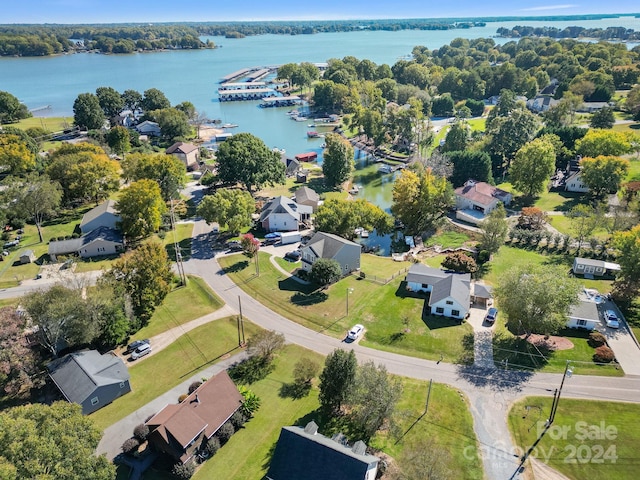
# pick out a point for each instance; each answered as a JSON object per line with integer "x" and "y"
{"x": 212, "y": 446}
{"x": 251, "y": 370}
{"x": 130, "y": 445}
{"x": 225, "y": 432}
{"x": 460, "y": 262}
{"x": 596, "y": 339}
{"x": 194, "y": 386}
{"x": 483, "y": 256}
{"x": 182, "y": 398}
{"x": 237, "y": 420}
{"x": 325, "y": 271}
{"x": 251, "y": 402}
{"x": 603, "y": 355}
{"x": 184, "y": 471}
{"x": 140, "y": 432}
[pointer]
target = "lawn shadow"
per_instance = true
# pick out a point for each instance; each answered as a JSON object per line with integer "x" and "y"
{"x": 184, "y": 247}
{"x": 289, "y": 284}
{"x": 571, "y": 199}
{"x": 433, "y": 322}
{"x": 237, "y": 267}
{"x": 496, "y": 379}
{"x": 402, "y": 292}
{"x": 306, "y": 299}
{"x": 294, "y": 390}
{"x": 513, "y": 352}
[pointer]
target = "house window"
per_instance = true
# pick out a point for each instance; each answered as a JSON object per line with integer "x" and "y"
{"x": 425, "y": 286}
{"x": 582, "y": 323}
{"x": 449, "y": 302}
{"x": 439, "y": 310}
{"x": 455, "y": 313}
{"x": 94, "y": 401}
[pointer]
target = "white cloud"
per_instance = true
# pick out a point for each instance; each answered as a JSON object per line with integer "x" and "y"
{"x": 548, "y": 7}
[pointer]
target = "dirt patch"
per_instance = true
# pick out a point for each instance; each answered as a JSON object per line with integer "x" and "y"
{"x": 549, "y": 342}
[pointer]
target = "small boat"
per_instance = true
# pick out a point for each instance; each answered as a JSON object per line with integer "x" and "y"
{"x": 299, "y": 118}
{"x": 281, "y": 151}
{"x": 312, "y": 134}
{"x": 229, "y": 125}
{"x": 358, "y": 231}
{"x": 364, "y": 234}
{"x": 293, "y": 113}
{"x": 311, "y": 125}
{"x": 384, "y": 169}
{"x": 354, "y": 190}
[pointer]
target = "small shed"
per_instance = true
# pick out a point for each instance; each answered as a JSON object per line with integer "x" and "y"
{"x": 307, "y": 157}
{"x": 27, "y": 257}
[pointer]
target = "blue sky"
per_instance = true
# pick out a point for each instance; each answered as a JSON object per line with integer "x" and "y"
{"x": 105, "y": 11}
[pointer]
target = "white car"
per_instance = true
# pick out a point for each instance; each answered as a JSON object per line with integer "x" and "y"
{"x": 355, "y": 332}
{"x": 611, "y": 319}
{"x": 141, "y": 351}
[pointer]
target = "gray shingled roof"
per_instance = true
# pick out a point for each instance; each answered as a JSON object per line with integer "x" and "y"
{"x": 78, "y": 374}
{"x": 420, "y": 273}
{"x": 304, "y": 455}
{"x": 585, "y": 310}
{"x": 455, "y": 285}
{"x": 327, "y": 245}
{"x": 306, "y": 193}
{"x": 105, "y": 207}
{"x": 481, "y": 290}
{"x": 74, "y": 245}
{"x": 283, "y": 204}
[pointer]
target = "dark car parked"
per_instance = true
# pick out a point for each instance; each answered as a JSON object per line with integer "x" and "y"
{"x": 293, "y": 256}
{"x": 135, "y": 344}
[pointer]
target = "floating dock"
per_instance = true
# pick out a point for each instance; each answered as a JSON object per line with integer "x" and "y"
{"x": 235, "y": 75}
{"x": 246, "y": 94}
{"x": 258, "y": 75}
{"x": 281, "y": 101}
{"x": 241, "y": 86}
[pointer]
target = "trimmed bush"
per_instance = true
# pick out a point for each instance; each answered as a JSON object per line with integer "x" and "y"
{"x": 213, "y": 445}
{"x": 596, "y": 339}
{"x": 237, "y": 420}
{"x": 225, "y": 432}
{"x": 140, "y": 432}
{"x": 194, "y": 386}
{"x": 184, "y": 471}
{"x": 130, "y": 445}
{"x": 603, "y": 355}
{"x": 182, "y": 398}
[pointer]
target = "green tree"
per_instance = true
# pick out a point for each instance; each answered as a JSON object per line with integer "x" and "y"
{"x": 15, "y": 155}
{"x": 338, "y": 160}
{"x": 509, "y": 134}
{"x": 35, "y": 197}
{"x": 456, "y": 139}
{"x": 336, "y": 380}
{"x": 603, "y": 142}
{"x": 421, "y": 459}
{"x": 627, "y": 244}
{"x": 87, "y": 112}
{"x": 19, "y": 364}
{"x": 143, "y": 276}
{"x": 603, "y": 174}
{"x": 84, "y": 171}
{"x": 325, "y": 271}
{"x": 460, "y": 262}
{"x": 421, "y": 201}
{"x": 167, "y": 170}
{"x": 173, "y": 123}
{"x": 60, "y": 442}
{"x": 584, "y": 220}
{"x": 469, "y": 164}
{"x": 119, "y": 140}
{"x": 110, "y": 101}
{"x": 154, "y": 99}
{"x": 304, "y": 371}
{"x": 536, "y": 298}
{"x": 265, "y": 344}
{"x": 11, "y": 110}
{"x": 231, "y": 208}
{"x": 494, "y": 230}
{"x": 342, "y": 217}
{"x": 245, "y": 159}
{"x": 140, "y": 207}
{"x": 533, "y": 166}
{"x": 373, "y": 398}
{"x": 603, "y": 118}
{"x": 132, "y": 99}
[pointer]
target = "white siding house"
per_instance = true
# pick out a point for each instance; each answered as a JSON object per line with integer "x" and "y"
{"x": 475, "y": 200}
{"x": 281, "y": 214}
{"x": 450, "y": 293}
{"x": 584, "y": 315}
{"x": 574, "y": 184}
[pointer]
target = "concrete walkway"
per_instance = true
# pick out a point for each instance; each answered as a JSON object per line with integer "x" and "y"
{"x": 116, "y": 434}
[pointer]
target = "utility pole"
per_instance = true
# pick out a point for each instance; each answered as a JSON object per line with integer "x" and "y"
{"x": 426, "y": 407}
{"x": 556, "y": 398}
{"x": 176, "y": 247}
{"x": 241, "y": 338}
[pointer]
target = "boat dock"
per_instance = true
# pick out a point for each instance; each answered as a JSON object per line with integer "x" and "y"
{"x": 235, "y": 75}
{"x": 241, "y": 86}
{"x": 244, "y": 94}
{"x": 281, "y": 101}
{"x": 258, "y": 75}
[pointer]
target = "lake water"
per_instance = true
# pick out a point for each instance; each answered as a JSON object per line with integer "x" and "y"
{"x": 193, "y": 75}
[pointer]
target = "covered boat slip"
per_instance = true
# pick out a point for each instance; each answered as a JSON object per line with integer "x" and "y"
{"x": 281, "y": 101}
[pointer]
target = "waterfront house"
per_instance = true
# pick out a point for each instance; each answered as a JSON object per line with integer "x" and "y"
{"x": 180, "y": 430}
{"x": 332, "y": 247}
{"x": 104, "y": 215}
{"x": 188, "y": 153}
{"x": 283, "y": 214}
{"x": 449, "y": 293}
{"x": 307, "y": 196}
{"x": 475, "y": 200}
{"x": 90, "y": 379}
{"x": 594, "y": 268}
{"x": 305, "y": 453}
{"x": 148, "y": 128}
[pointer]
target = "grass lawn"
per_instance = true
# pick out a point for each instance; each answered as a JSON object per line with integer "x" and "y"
{"x": 559, "y": 201}
{"x": 436, "y": 261}
{"x": 51, "y": 124}
{"x": 247, "y": 454}
{"x": 448, "y": 239}
{"x": 627, "y": 127}
{"x": 383, "y": 267}
{"x": 189, "y": 354}
{"x": 182, "y": 305}
{"x": 477, "y": 124}
{"x": 563, "y": 225}
{"x": 634, "y": 169}
{"x": 610, "y": 455}
{"x": 287, "y": 265}
{"x": 380, "y": 308}
{"x": 315, "y": 181}
{"x": 182, "y": 237}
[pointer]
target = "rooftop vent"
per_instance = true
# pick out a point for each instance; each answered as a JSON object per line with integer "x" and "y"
{"x": 311, "y": 428}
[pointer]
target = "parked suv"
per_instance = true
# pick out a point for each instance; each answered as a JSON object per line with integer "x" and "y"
{"x": 491, "y": 315}
{"x": 135, "y": 344}
{"x": 141, "y": 351}
{"x": 611, "y": 319}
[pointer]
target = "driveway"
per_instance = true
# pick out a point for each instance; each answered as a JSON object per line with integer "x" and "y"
{"x": 622, "y": 342}
{"x": 482, "y": 338}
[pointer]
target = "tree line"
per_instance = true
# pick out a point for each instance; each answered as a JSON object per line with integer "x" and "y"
{"x": 609, "y": 33}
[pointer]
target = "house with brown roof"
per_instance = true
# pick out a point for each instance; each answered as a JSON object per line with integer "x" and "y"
{"x": 188, "y": 153}
{"x": 180, "y": 430}
{"x": 475, "y": 200}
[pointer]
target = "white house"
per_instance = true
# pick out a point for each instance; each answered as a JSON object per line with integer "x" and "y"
{"x": 584, "y": 315}
{"x": 573, "y": 183}
{"x": 596, "y": 268}
{"x": 98, "y": 242}
{"x": 281, "y": 214}
{"x": 450, "y": 293}
{"x": 475, "y": 200}
{"x": 333, "y": 247}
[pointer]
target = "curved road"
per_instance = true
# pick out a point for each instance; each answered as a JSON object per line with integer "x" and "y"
{"x": 489, "y": 391}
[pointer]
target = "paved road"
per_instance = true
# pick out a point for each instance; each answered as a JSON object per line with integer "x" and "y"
{"x": 490, "y": 392}
{"x": 31, "y": 285}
